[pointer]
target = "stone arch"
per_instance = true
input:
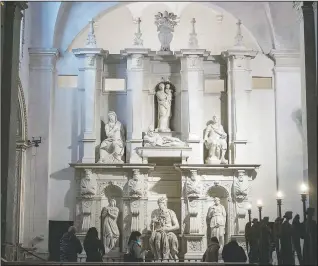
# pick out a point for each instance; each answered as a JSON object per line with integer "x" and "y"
{"x": 64, "y": 35}
{"x": 21, "y": 146}
{"x": 22, "y": 124}
{"x": 223, "y": 191}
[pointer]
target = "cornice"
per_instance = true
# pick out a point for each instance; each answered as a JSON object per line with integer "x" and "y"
{"x": 44, "y": 51}
{"x": 90, "y": 51}
{"x": 285, "y": 58}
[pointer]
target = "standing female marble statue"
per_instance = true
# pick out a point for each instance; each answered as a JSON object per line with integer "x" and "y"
{"x": 112, "y": 148}
{"x": 110, "y": 227}
{"x": 215, "y": 142}
{"x": 217, "y": 214}
{"x": 163, "y": 242}
{"x": 164, "y": 108}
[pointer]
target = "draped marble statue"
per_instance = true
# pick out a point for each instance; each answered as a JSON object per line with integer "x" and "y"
{"x": 215, "y": 142}
{"x": 112, "y": 148}
{"x": 217, "y": 217}
{"x": 153, "y": 139}
{"x": 164, "y": 100}
{"x": 110, "y": 227}
{"x": 163, "y": 241}
{"x": 88, "y": 189}
{"x": 135, "y": 184}
{"x": 193, "y": 185}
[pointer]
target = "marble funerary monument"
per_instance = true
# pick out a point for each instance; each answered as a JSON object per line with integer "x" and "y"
{"x": 165, "y": 171}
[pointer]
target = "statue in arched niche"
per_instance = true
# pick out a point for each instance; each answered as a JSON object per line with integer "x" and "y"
{"x": 217, "y": 220}
{"x": 113, "y": 147}
{"x": 164, "y": 96}
{"x": 110, "y": 227}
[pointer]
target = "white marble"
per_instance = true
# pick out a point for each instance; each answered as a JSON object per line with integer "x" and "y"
{"x": 71, "y": 119}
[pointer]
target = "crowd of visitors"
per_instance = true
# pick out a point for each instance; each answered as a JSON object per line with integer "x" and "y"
{"x": 262, "y": 239}
{"x": 284, "y": 238}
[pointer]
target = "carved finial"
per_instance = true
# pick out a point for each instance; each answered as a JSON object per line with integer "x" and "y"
{"x": 137, "y": 40}
{"x": 193, "y": 41}
{"x": 165, "y": 23}
{"x": 239, "y": 36}
{"x": 91, "y": 39}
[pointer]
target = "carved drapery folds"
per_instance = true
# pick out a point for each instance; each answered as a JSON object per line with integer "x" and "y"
{"x": 88, "y": 188}
{"x": 240, "y": 192}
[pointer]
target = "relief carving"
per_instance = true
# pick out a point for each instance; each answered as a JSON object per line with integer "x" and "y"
{"x": 135, "y": 185}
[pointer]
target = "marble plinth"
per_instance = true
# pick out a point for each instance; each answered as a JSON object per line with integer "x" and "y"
{"x": 164, "y": 152}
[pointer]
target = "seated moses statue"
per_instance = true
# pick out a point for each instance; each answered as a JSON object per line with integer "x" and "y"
{"x": 163, "y": 242}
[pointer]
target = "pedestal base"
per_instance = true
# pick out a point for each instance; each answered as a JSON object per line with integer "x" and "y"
{"x": 194, "y": 246}
{"x": 164, "y": 152}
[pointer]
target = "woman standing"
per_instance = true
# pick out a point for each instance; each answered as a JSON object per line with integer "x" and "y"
{"x": 93, "y": 246}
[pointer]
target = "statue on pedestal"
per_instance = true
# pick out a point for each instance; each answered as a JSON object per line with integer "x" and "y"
{"x": 164, "y": 100}
{"x": 113, "y": 147}
{"x": 110, "y": 227}
{"x": 163, "y": 242}
{"x": 193, "y": 185}
{"x": 215, "y": 142}
{"x": 217, "y": 216}
{"x": 135, "y": 185}
{"x": 88, "y": 188}
{"x": 153, "y": 139}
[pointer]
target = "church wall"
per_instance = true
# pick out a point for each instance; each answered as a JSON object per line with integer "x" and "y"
{"x": 66, "y": 134}
{"x": 66, "y": 148}
{"x": 263, "y": 139}
{"x": 289, "y": 136}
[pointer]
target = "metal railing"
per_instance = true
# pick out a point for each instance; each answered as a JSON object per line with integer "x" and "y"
{"x": 15, "y": 252}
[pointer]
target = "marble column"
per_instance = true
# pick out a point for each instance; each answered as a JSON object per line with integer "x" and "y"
{"x": 310, "y": 96}
{"x": 192, "y": 84}
{"x": 288, "y": 125}
{"x": 10, "y": 43}
{"x": 137, "y": 67}
{"x": 238, "y": 94}
{"x": 91, "y": 62}
{"x": 42, "y": 76}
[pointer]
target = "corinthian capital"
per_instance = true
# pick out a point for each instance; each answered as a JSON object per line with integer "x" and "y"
{"x": 299, "y": 12}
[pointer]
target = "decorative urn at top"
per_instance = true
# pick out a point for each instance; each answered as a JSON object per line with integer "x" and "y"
{"x": 165, "y": 23}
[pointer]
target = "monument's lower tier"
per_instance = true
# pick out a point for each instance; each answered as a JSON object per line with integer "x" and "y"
{"x": 177, "y": 208}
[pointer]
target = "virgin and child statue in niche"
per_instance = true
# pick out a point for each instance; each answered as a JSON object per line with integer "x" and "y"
{"x": 164, "y": 96}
